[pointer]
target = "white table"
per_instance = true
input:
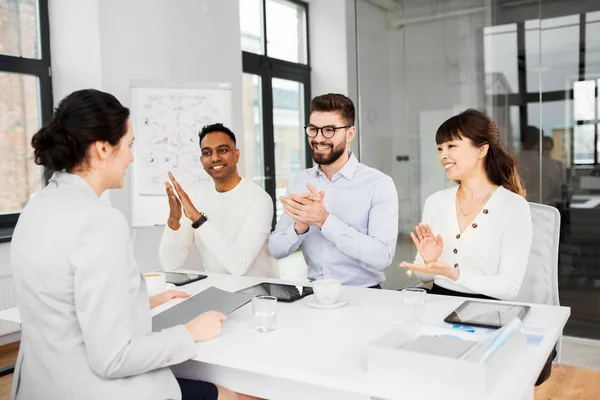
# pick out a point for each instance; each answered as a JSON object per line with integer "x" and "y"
{"x": 321, "y": 354}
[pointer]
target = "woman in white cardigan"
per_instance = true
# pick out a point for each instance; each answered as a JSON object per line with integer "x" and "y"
{"x": 474, "y": 239}
{"x": 86, "y": 321}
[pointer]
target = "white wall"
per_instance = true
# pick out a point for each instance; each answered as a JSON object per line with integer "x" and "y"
{"x": 375, "y": 88}
{"x": 333, "y": 50}
{"x": 328, "y": 46}
{"x": 74, "y": 46}
{"x": 4, "y": 260}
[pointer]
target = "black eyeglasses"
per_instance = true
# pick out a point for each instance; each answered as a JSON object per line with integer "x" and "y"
{"x": 326, "y": 131}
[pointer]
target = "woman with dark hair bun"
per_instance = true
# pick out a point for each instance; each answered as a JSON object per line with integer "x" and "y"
{"x": 474, "y": 239}
{"x": 86, "y": 320}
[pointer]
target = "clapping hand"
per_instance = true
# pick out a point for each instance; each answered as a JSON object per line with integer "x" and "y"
{"x": 175, "y": 212}
{"x": 305, "y": 209}
{"x": 428, "y": 245}
{"x": 433, "y": 268}
{"x": 176, "y": 203}
{"x": 430, "y": 248}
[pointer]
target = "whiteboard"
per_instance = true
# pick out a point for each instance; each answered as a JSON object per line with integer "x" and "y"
{"x": 166, "y": 121}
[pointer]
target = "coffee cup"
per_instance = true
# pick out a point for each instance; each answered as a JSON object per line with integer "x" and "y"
{"x": 155, "y": 281}
{"x": 327, "y": 291}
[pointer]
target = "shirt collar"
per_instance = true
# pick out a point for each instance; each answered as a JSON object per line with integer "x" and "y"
{"x": 65, "y": 178}
{"x": 347, "y": 171}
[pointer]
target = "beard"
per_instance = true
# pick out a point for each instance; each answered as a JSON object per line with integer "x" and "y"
{"x": 330, "y": 157}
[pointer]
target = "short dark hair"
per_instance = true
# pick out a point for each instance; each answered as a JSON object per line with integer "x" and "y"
{"x": 549, "y": 140}
{"x": 216, "y": 128}
{"x": 334, "y": 102}
{"x": 82, "y": 118}
{"x": 531, "y": 137}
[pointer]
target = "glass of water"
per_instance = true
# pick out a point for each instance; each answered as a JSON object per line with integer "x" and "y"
{"x": 413, "y": 303}
{"x": 265, "y": 313}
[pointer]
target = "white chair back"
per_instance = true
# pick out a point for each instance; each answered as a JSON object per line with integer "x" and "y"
{"x": 540, "y": 285}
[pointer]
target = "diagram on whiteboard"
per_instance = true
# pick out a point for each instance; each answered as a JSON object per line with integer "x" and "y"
{"x": 167, "y": 123}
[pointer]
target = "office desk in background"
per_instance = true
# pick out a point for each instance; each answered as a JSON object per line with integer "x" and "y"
{"x": 321, "y": 354}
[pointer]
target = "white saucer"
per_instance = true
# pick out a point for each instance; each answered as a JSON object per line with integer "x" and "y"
{"x": 153, "y": 292}
{"x": 311, "y": 301}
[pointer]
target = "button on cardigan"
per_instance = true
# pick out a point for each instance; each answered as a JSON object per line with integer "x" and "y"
{"x": 491, "y": 253}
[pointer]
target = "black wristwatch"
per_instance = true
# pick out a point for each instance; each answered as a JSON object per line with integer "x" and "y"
{"x": 198, "y": 223}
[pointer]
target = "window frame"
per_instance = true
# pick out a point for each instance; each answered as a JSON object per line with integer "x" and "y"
{"x": 40, "y": 68}
{"x": 268, "y": 68}
{"x": 522, "y": 98}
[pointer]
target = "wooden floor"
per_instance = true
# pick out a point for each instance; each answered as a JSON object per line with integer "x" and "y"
{"x": 8, "y": 356}
{"x": 565, "y": 383}
{"x": 568, "y": 382}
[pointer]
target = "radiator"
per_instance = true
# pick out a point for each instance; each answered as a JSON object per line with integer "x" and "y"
{"x": 8, "y": 299}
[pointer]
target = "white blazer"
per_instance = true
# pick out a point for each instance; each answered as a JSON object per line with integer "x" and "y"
{"x": 86, "y": 321}
{"x": 491, "y": 253}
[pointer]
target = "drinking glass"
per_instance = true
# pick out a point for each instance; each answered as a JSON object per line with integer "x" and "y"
{"x": 265, "y": 313}
{"x": 413, "y": 303}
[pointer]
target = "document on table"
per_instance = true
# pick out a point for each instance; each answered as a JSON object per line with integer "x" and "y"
{"x": 451, "y": 347}
{"x": 211, "y": 299}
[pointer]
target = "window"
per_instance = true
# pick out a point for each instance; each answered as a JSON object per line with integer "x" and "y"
{"x": 583, "y": 144}
{"x": 584, "y": 139}
{"x": 25, "y": 102}
{"x": 552, "y": 51}
{"x": 254, "y": 166}
{"x": 585, "y": 100}
{"x": 276, "y": 85}
{"x": 289, "y": 137}
{"x": 286, "y": 31}
{"x": 252, "y": 26}
{"x": 592, "y": 45}
{"x": 285, "y": 36}
{"x": 500, "y": 59}
{"x": 557, "y": 81}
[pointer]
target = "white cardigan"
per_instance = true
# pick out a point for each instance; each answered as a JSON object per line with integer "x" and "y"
{"x": 491, "y": 253}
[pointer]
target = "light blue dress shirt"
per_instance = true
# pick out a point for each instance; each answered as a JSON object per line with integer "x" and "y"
{"x": 358, "y": 240}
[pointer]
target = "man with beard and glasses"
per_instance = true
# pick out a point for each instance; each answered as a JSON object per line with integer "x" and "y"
{"x": 342, "y": 213}
{"x": 229, "y": 222}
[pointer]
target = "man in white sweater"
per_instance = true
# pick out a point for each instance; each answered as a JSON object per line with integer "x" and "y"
{"x": 229, "y": 222}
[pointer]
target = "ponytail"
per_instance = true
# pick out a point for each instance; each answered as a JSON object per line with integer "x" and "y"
{"x": 501, "y": 169}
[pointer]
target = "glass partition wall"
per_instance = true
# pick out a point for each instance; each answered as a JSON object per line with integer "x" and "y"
{"x": 534, "y": 66}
